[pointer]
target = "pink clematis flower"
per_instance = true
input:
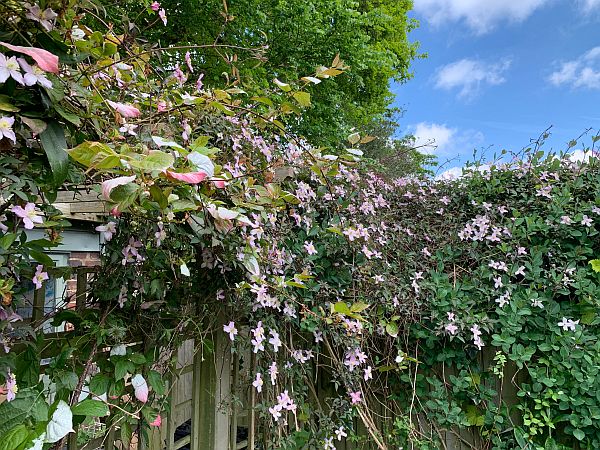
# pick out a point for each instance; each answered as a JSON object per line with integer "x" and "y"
{"x": 310, "y": 248}
{"x": 258, "y": 382}
{"x": 44, "y": 17}
{"x": 231, "y": 329}
{"x": 123, "y": 109}
{"x": 163, "y": 16}
{"x": 188, "y": 61}
{"x": 155, "y": 6}
{"x": 140, "y": 388}
{"x": 40, "y": 276}
{"x": 30, "y": 214}
{"x": 6, "y": 130}
{"x": 199, "y": 83}
{"x": 9, "y": 68}
{"x": 355, "y": 397}
{"x": 11, "y": 387}
{"x": 34, "y": 75}
{"x": 107, "y": 230}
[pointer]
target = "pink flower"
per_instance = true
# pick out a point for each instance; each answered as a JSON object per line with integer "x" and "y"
{"x": 586, "y": 221}
{"x": 179, "y": 75}
{"x": 188, "y": 61}
{"x": 231, "y": 329}
{"x": 11, "y": 387}
{"x": 107, "y": 230}
{"x": 340, "y": 433}
{"x": 156, "y": 422}
{"x": 258, "y": 382}
{"x": 275, "y": 341}
{"x": 199, "y": 83}
{"x": 34, "y": 75}
{"x": 123, "y": 109}
{"x": 566, "y": 220}
{"x": 355, "y": 397}
{"x": 163, "y": 16}
{"x": 161, "y": 106}
{"x": 6, "y": 124}
{"x": 30, "y": 214}
{"x": 40, "y": 276}
{"x": 155, "y": 6}
{"x": 273, "y": 372}
{"x": 310, "y": 248}
{"x": 451, "y": 328}
{"x": 140, "y": 388}
{"x": 9, "y": 68}
{"x": 568, "y": 324}
{"x": 368, "y": 375}
{"x": 43, "y": 17}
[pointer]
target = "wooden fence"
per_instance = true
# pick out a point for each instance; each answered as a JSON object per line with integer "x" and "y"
{"x": 211, "y": 400}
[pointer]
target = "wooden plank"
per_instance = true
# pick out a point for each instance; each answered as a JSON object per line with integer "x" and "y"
{"x": 76, "y": 196}
{"x": 88, "y": 207}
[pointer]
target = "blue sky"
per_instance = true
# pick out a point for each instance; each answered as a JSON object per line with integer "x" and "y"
{"x": 499, "y": 72}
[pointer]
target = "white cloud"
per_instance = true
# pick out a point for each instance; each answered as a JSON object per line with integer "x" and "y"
{"x": 583, "y": 72}
{"x": 589, "y": 5}
{"x": 442, "y": 140}
{"x": 432, "y": 137}
{"x": 450, "y": 174}
{"x": 469, "y": 75}
{"x": 479, "y": 15}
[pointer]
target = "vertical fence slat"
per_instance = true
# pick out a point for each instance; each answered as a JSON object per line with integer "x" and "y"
{"x": 39, "y": 299}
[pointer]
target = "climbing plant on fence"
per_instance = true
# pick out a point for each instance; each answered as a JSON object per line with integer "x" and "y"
{"x": 381, "y": 293}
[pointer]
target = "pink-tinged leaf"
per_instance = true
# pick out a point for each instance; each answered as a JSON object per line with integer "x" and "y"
{"x": 219, "y": 184}
{"x": 124, "y": 109}
{"x": 189, "y": 177}
{"x": 109, "y": 185}
{"x": 156, "y": 422}
{"x": 140, "y": 388}
{"x": 46, "y": 60}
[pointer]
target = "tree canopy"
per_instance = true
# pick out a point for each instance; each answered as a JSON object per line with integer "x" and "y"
{"x": 287, "y": 39}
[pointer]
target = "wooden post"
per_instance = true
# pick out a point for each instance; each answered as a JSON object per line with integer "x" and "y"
{"x": 211, "y": 387}
{"x": 39, "y": 300}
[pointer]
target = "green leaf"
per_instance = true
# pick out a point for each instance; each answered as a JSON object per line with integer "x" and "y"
{"x": 155, "y": 160}
{"x": 123, "y": 367}
{"x": 283, "y": 86}
{"x": 342, "y": 308}
{"x": 580, "y": 435}
{"x": 156, "y": 381}
{"x": 55, "y": 146}
{"x": 7, "y": 240}
{"x": 42, "y": 258}
{"x": 359, "y": 307}
{"x": 6, "y": 105}
{"x": 15, "y": 437}
{"x": 95, "y": 154}
{"x": 392, "y": 329}
{"x": 99, "y": 384}
{"x": 303, "y": 98}
{"x": 595, "y": 263}
{"x": 89, "y": 407}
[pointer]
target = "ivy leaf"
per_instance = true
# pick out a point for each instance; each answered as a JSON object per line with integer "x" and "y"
{"x": 580, "y": 435}
{"x": 55, "y": 145}
{"x": 61, "y": 423}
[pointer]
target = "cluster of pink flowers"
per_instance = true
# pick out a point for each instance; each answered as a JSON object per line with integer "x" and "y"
{"x": 284, "y": 402}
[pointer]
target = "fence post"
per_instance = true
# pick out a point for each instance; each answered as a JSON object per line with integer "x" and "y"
{"x": 211, "y": 388}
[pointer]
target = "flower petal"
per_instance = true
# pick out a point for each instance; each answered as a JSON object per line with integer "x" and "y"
{"x": 109, "y": 185}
